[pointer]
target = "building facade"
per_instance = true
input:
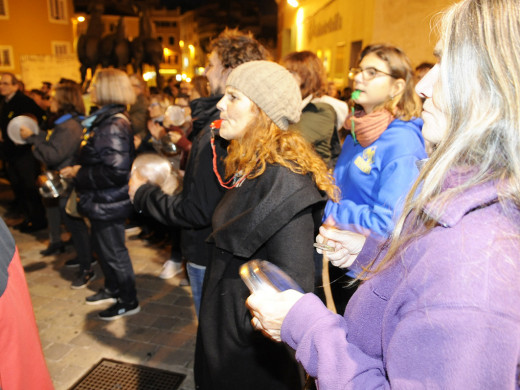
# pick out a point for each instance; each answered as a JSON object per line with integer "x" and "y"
{"x": 37, "y": 37}
{"x": 36, "y": 40}
{"x": 337, "y": 30}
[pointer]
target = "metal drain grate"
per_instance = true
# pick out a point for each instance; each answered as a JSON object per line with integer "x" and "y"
{"x": 113, "y": 375}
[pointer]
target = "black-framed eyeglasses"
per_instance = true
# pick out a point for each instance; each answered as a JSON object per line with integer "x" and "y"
{"x": 367, "y": 73}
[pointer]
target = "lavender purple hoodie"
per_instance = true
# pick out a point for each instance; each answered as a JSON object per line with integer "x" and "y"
{"x": 445, "y": 316}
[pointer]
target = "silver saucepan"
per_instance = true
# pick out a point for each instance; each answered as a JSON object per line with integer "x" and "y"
{"x": 51, "y": 184}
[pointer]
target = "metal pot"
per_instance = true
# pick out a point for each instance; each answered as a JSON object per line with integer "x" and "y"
{"x": 51, "y": 184}
{"x": 167, "y": 147}
{"x": 263, "y": 275}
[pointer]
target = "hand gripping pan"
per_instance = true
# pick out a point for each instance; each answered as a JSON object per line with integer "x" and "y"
{"x": 263, "y": 275}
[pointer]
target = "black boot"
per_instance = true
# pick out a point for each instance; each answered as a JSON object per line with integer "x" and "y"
{"x": 54, "y": 247}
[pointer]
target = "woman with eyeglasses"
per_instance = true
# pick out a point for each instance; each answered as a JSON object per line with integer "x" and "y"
{"x": 377, "y": 164}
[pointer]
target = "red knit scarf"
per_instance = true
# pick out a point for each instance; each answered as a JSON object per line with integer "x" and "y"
{"x": 369, "y": 127}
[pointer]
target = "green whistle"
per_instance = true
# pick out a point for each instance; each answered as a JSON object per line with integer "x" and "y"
{"x": 354, "y": 96}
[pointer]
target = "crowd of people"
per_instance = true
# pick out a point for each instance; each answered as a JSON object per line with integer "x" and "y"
{"x": 409, "y": 188}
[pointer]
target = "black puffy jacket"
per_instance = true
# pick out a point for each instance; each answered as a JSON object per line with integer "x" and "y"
{"x": 106, "y": 160}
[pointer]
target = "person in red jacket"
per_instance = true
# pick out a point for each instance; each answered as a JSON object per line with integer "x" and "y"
{"x": 19, "y": 339}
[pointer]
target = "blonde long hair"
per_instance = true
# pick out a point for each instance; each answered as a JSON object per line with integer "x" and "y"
{"x": 479, "y": 84}
{"x": 265, "y": 143}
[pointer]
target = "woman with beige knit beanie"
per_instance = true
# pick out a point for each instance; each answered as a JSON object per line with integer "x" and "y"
{"x": 275, "y": 183}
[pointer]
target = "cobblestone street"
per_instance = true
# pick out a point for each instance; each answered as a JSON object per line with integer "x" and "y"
{"x": 162, "y": 335}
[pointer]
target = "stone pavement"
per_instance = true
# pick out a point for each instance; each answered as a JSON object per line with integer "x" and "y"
{"x": 162, "y": 335}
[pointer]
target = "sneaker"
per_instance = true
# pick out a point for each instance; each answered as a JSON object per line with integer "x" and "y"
{"x": 120, "y": 309}
{"x": 102, "y": 296}
{"x": 73, "y": 263}
{"x": 84, "y": 277}
{"x": 170, "y": 269}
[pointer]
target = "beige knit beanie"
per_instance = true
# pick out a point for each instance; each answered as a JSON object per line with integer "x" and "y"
{"x": 271, "y": 87}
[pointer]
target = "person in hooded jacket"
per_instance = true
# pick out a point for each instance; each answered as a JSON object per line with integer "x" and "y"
{"x": 101, "y": 181}
{"x": 377, "y": 165}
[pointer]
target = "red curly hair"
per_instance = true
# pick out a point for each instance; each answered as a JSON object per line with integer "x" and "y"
{"x": 265, "y": 143}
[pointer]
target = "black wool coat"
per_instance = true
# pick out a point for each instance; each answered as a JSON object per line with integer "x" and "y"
{"x": 269, "y": 218}
{"x": 20, "y": 104}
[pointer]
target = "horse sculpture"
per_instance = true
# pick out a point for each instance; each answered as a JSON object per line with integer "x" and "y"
{"x": 145, "y": 49}
{"x": 114, "y": 49}
{"x": 88, "y": 51}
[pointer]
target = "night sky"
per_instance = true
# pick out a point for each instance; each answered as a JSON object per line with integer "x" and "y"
{"x": 267, "y": 6}
{"x": 124, "y": 7}
{"x": 184, "y": 4}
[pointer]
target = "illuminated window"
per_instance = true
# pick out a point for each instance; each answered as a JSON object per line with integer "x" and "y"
{"x": 4, "y": 9}
{"x": 6, "y": 57}
{"x": 58, "y": 11}
{"x": 339, "y": 68}
{"x": 61, "y": 48}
